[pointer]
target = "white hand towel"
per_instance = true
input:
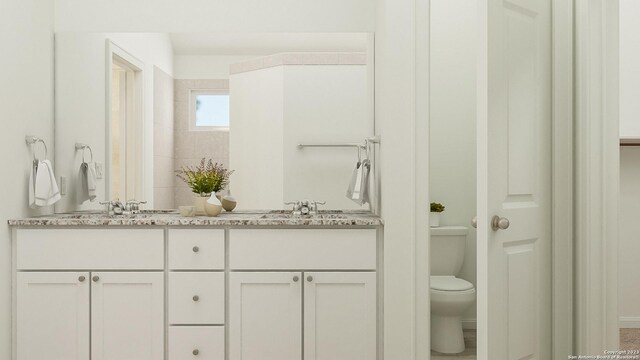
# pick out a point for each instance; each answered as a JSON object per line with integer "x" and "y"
{"x": 82, "y": 190}
{"x": 91, "y": 180}
{"x": 32, "y": 184}
{"x": 46, "y": 189}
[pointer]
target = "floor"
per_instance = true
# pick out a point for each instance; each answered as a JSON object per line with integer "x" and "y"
{"x": 468, "y": 354}
{"x": 629, "y": 339}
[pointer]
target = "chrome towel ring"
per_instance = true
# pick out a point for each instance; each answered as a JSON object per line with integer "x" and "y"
{"x": 84, "y": 147}
{"x": 32, "y": 140}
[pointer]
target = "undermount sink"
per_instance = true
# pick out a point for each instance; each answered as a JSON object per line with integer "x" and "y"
{"x": 323, "y": 214}
{"x": 142, "y": 214}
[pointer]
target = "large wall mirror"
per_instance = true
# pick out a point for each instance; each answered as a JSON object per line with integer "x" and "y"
{"x": 135, "y": 107}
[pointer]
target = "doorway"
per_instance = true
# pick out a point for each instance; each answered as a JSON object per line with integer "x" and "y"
{"x": 124, "y": 125}
{"x": 452, "y": 156}
{"x": 532, "y": 261}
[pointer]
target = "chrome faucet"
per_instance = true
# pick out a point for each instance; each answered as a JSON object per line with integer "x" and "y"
{"x": 306, "y": 207}
{"x": 114, "y": 207}
{"x": 133, "y": 206}
{"x": 313, "y": 206}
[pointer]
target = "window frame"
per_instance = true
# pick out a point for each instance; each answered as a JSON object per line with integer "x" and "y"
{"x": 193, "y": 94}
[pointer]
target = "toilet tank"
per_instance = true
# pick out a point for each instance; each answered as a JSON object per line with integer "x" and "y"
{"x": 447, "y": 249}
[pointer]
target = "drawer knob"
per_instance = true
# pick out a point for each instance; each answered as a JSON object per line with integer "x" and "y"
{"x": 96, "y": 278}
{"x": 309, "y": 278}
{"x": 81, "y": 278}
{"x": 196, "y": 297}
{"x": 196, "y": 249}
{"x": 195, "y": 352}
{"x": 295, "y": 279}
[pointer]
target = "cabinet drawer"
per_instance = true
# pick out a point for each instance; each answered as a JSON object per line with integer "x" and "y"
{"x": 196, "y": 249}
{"x": 196, "y": 298}
{"x": 300, "y": 249}
{"x": 103, "y": 249}
{"x": 196, "y": 342}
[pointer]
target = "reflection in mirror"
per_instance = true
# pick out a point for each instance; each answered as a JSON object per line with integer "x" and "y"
{"x": 125, "y": 181}
{"x": 243, "y": 100}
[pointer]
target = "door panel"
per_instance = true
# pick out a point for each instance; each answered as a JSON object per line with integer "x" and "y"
{"x": 514, "y": 180}
{"x": 127, "y": 316}
{"x": 265, "y": 316}
{"x": 52, "y": 316}
{"x": 340, "y": 316}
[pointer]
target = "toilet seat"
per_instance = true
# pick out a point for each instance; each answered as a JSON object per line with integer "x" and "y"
{"x": 450, "y": 283}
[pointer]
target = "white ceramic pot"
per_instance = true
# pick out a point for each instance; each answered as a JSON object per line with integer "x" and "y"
{"x": 434, "y": 219}
{"x": 213, "y": 206}
{"x": 199, "y": 202}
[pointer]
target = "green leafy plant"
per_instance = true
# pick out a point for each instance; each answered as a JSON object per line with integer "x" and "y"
{"x": 437, "y": 207}
{"x": 206, "y": 178}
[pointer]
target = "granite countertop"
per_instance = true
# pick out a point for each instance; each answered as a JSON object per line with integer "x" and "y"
{"x": 172, "y": 218}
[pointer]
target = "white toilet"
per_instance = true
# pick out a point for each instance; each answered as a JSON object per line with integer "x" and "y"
{"x": 450, "y": 296}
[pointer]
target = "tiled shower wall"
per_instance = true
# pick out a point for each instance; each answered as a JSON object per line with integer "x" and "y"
{"x": 192, "y": 146}
{"x": 163, "y": 141}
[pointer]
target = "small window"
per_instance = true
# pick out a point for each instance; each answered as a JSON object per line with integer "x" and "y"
{"x": 209, "y": 110}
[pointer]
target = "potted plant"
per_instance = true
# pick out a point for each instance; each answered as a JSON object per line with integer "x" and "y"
{"x": 434, "y": 215}
{"x": 205, "y": 180}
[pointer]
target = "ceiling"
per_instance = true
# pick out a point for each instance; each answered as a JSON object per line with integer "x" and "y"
{"x": 266, "y": 43}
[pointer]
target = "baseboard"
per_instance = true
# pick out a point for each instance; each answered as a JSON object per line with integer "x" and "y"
{"x": 469, "y": 324}
{"x": 627, "y": 322}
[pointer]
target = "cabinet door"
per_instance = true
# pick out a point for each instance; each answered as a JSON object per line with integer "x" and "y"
{"x": 52, "y": 316}
{"x": 265, "y": 316}
{"x": 340, "y": 316}
{"x": 127, "y": 315}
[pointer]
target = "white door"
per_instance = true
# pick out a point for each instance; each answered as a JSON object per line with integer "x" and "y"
{"x": 340, "y": 316}
{"x": 514, "y": 180}
{"x": 265, "y": 316}
{"x": 52, "y": 316}
{"x": 127, "y": 316}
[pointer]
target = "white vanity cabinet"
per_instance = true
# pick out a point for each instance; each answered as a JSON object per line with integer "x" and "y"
{"x": 339, "y": 315}
{"x": 196, "y": 292}
{"x": 265, "y": 315}
{"x": 114, "y": 313}
{"x": 53, "y": 315}
{"x": 328, "y": 307}
{"x": 127, "y": 315}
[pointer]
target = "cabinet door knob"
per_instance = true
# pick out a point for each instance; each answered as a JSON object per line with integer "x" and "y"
{"x": 196, "y": 298}
{"x": 81, "y": 278}
{"x": 309, "y": 278}
{"x": 196, "y": 249}
{"x": 195, "y": 352}
{"x": 96, "y": 278}
{"x": 295, "y": 279}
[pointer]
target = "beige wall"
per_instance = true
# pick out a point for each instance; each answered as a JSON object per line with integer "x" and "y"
{"x": 26, "y": 103}
{"x": 192, "y": 146}
{"x": 163, "y": 136}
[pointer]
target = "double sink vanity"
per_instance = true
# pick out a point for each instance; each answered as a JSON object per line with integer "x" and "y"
{"x": 155, "y": 285}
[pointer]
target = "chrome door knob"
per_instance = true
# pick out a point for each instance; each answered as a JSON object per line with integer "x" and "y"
{"x": 309, "y": 278}
{"x": 295, "y": 279}
{"x": 195, "y": 352}
{"x": 81, "y": 278}
{"x": 499, "y": 223}
{"x": 196, "y": 298}
{"x": 96, "y": 278}
{"x": 196, "y": 249}
{"x": 474, "y": 222}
